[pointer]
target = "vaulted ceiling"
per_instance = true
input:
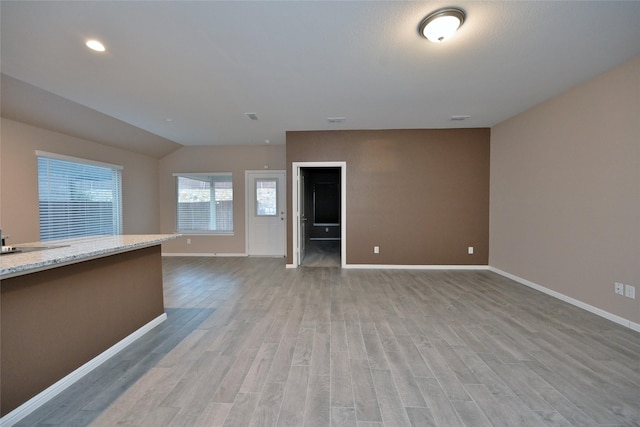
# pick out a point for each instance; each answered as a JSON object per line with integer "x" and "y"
{"x": 186, "y": 72}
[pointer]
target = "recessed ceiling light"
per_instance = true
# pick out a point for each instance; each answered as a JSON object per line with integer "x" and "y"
{"x": 95, "y": 45}
{"x": 440, "y": 25}
{"x": 266, "y": 141}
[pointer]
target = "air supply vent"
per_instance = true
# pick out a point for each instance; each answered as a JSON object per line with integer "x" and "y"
{"x": 335, "y": 119}
{"x": 459, "y": 117}
{"x": 252, "y": 116}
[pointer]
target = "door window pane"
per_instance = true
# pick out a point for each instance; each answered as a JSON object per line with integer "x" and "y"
{"x": 266, "y": 197}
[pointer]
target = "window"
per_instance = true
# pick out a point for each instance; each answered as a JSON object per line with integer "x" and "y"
{"x": 78, "y": 197}
{"x": 205, "y": 203}
{"x": 266, "y": 196}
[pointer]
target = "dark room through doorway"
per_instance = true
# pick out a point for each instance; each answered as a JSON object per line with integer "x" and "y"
{"x": 321, "y": 216}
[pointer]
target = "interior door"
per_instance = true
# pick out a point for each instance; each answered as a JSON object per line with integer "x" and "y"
{"x": 302, "y": 226}
{"x": 266, "y": 213}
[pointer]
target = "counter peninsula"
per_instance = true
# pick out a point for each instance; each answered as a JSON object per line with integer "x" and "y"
{"x": 67, "y": 305}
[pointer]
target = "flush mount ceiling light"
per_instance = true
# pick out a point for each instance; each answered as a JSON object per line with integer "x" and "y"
{"x": 95, "y": 45}
{"x": 438, "y": 26}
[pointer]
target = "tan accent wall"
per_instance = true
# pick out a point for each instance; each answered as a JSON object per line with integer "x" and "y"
{"x": 19, "y": 179}
{"x": 234, "y": 159}
{"x": 56, "y": 320}
{"x": 422, "y": 196}
{"x": 565, "y": 192}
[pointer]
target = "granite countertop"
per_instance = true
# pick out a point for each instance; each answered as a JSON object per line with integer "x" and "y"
{"x": 69, "y": 251}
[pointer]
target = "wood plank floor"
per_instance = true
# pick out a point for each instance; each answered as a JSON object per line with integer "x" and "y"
{"x": 250, "y": 343}
{"x": 322, "y": 253}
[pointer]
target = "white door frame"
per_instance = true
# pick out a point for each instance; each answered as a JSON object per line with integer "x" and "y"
{"x": 248, "y": 195}
{"x": 295, "y": 207}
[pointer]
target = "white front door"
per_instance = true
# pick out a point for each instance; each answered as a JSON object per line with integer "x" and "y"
{"x": 266, "y": 213}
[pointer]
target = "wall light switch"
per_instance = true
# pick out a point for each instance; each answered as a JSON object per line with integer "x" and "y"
{"x": 376, "y": 249}
{"x": 188, "y": 241}
{"x": 470, "y": 250}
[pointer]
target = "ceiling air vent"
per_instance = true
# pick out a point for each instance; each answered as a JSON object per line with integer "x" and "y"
{"x": 459, "y": 117}
{"x": 335, "y": 119}
{"x": 252, "y": 116}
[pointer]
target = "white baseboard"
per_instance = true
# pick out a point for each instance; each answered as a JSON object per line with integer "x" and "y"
{"x": 207, "y": 254}
{"x": 409, "y": 267}
{"x": 416, "y": 267}
{"x": 50, "y": 392}
{"x": 595, "y": 310}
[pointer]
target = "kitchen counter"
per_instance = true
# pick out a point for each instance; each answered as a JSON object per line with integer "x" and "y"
{"x": 70, "y": 307}
{"x": 70, "y": 251}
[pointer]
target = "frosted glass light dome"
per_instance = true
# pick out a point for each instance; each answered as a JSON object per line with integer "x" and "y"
{"x": 442, "y": 24}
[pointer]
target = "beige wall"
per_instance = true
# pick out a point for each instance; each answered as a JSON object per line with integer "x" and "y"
{"x": 19, "y": 179}
{"x": 421, "y": 195}
{"x": 234, "y": 159}
{"x": 565, "y": 192}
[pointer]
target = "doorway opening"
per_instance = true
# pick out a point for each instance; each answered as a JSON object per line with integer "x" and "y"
{"x": 319, "y": 199}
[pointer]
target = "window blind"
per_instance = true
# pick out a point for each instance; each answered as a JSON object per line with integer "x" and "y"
{"x": 78, "y": 197}
{"x": 205, "y": 203}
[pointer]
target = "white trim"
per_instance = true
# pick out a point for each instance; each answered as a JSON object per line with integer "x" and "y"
{"x": 415, "y": 267}
{"x": 203, "y": 174}
{"x": 206, "y": 234}
{"x": 595, "y": 310}
{"x": 77, "y": 160}
{"x": 295, "y": 169}
{"x": 203, "y": 254}
{"x": 50, "y": 392}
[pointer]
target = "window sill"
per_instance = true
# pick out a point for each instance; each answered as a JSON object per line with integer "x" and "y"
{"x": 187, "y": 233}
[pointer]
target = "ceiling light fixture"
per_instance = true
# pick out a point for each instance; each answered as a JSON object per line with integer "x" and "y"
{"x": 95, "y": 45}
{"x": 440, "y": 25}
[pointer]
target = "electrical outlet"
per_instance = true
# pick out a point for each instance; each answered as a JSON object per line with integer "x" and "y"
{"x": 376, "y": 249}
{"x": 630, "y": 291}
{"x": 470, "y": 250}
{"x": 619, "y": 288}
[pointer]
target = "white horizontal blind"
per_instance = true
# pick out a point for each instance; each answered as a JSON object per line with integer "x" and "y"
{"x": 78, "y": 198}
{"x": 205, "y": 203}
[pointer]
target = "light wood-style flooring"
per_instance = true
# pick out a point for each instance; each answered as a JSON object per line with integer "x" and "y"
{"x": 250, "y": 343}
{"x": 322, "y": 253}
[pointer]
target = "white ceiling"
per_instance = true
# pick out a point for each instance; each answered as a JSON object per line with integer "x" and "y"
{"x": 204, "y": 64}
